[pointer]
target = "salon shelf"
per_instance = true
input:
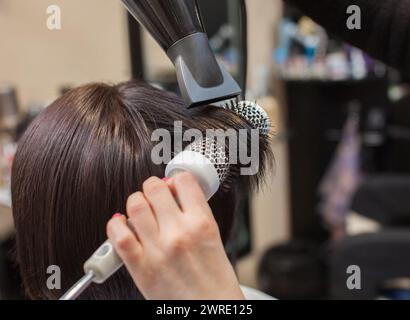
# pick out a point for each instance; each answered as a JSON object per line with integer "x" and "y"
{"x": 315, "y": 108}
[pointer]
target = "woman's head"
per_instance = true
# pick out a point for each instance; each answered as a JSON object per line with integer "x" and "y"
{"x": 75, "y": 167}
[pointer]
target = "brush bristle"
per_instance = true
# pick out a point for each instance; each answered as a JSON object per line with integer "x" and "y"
{"x": 215, "y": 152}
{"x": 254, "y": 114}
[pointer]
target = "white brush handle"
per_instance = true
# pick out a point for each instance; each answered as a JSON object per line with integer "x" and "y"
{"x": 200, "y": 167}
{"x": 104, "y": 262}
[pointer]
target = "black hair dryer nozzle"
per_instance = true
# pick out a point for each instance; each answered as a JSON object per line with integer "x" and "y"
{"x": 176, "y": 25}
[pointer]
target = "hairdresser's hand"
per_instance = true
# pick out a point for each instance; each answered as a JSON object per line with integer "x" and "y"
{"x": 176, "y": 251}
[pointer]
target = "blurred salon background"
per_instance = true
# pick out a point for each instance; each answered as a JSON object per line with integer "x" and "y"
{"x": 337, "y": 195}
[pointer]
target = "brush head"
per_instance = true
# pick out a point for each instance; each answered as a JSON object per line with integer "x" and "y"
{"x": 207, "y": 160}
{"x": 253, "y": 113}
{"x": 215, "y": 153}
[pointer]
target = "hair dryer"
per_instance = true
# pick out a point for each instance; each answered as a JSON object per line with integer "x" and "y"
{"x": 177, "y": 26}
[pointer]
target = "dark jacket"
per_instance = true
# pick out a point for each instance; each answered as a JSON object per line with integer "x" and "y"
{"x": 385, "y": 32}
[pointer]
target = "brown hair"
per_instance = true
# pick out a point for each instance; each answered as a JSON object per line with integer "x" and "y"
{"x": 76, "y": 165}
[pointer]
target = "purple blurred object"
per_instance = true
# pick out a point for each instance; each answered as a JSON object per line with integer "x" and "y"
{"x": 342, "y": 178}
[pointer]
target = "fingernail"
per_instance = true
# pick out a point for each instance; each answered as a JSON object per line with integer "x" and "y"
{"x": 166, "y": 179}
{"x": 117, "y": 215}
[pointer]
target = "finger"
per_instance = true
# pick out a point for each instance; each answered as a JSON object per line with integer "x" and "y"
{"x": 161, "y": 200}
{"x": 141, "y": 218}
{"x": 124, "y": 240}
{"x": 171, "y": 186}
{"x": 170, "y": 183}
{"x": 190, "y": 195}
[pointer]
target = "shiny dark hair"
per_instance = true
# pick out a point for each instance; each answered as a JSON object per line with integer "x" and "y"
{"x": 76, "y": 165}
